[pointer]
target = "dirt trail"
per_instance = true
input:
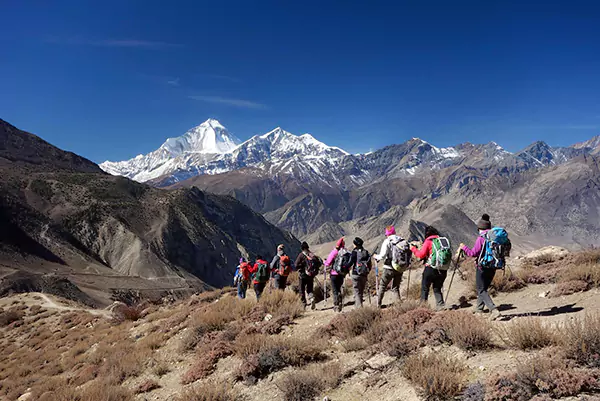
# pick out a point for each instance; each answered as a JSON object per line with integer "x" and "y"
{"x": 49, "y": 302}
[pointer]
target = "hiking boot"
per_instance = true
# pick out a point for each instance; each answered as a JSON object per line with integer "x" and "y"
{"x": 313, "y": 304}
{"x": 495, "y": 314}
{"x": 476, "y": 311}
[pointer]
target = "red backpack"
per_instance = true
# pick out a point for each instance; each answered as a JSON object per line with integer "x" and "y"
{"x": 245, "y": 271}
{"x": 285, "y": 265}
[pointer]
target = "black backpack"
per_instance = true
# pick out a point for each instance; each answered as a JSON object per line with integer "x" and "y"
{"x": 362, "y": 267}
{"x": 342, "y": 262}
{"x": 313, "y": 264}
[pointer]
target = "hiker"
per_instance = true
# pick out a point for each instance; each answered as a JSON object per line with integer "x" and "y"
{"x": 335, "y": 265}
{"x": 307, "y": 265}
{"x": 483, "y": 276}
{"x": 435, "y": 271}
{"x": 281, "y": 267}
{"x": 389, "y": 273}
{"x": 242, "y": 278}
{"x": 360, "y": 265}
{"x": 260, "y": 276}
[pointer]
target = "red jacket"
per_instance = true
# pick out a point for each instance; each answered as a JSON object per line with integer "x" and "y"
{"x": 425, "y": 251}
{"x": 254, "y": 269}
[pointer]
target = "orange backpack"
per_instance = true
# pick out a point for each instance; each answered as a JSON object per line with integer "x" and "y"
{"x": 285, "y": 265}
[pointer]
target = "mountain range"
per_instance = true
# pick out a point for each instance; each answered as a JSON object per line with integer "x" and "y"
{"x": 63, "y": 216}
{"x": 544, "y": 194}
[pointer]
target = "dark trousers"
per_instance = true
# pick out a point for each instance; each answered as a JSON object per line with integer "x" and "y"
{"x": 280, "y": 282}
{"x": 483, "y": 280}
{"x": 241, "y": 289}
{"x": 387, "y": 276}
{"x": 306, "y": 286}
{"x": 258, "y": 289}
{"x": 337, "y": 281}
{"x": 358, "y": 284}
{"x": 433, "y": 277}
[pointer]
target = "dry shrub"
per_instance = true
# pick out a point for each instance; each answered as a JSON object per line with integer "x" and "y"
{"x": 397, "y": 333}
{"x": 123, "y": 362}
{"x": 161, "y": 368}
{"x": 474, "y": 392}
{"x": 105, "y": 391}
{"x": 127, "y": 313}
{"x": 528, "y": 333}
{"x": 587, "y": 257}
{"x": 147, "y": 386}
{"x": 9, "y": 317}
{"x": 355, "y": 344}
{"x": 414, "y": 291}
{"x": 588, "y": 273}
{"x": 568, "y": 288}
{"x": 440, "y": 376}
{"x": 282, "y": 303}
{"x": 308, "y": 383}
{"x": 208, "y": 355}
{"x": 581, "y": 340}
{"x": 540, "y": 375}
{"x": 353, "y": 323}
{"x": 263, "y": 354}
{"x": 506, "y": 281}
{"x": 211, "y": 391}
{"x": 460, "y": 328}
{"x": 153, "y": 341}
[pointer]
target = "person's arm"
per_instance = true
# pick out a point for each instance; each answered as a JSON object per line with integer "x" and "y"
{"x": 331, "y": 258}
{"x": 299, "y": 262}
{"x": 477, "y": 247}
{"x": 424, "y": 252}
{"x": 384, "y": 250}
{"x": 253, "y": 269}
{"x": 274, "y": 262}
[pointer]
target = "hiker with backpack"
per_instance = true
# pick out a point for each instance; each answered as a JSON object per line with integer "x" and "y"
{"x": 360, "y": 266}
{"x": 281, "y": 267}
{"x": 396, "y": 255}
{"x": 335, "y": 265}
{"x": 308, "y": 265}
{"x": 437, "y": 256}
{"x": 260, "y": 276}
{"x": 242, "y": 278}
{"x": 491, "y": 248}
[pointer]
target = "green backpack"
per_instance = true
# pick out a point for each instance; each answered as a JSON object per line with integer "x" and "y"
{"x": 441, "y": 254}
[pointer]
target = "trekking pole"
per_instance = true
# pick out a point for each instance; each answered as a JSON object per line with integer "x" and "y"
{"x": 453, "y": 273}
{"x": 325, "y": 286}
{"x": 408, "y": 283}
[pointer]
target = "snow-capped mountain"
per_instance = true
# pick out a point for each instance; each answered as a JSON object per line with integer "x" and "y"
{"x": 203, "y": 143}
{"x": 593, "y": 144}
{"x": 210, "y": 149}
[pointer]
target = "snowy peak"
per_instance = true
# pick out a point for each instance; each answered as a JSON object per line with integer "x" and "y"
{"x": 209, "y": 137}
{"x": 593, "y": 143}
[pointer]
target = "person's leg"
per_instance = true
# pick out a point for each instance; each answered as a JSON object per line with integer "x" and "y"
{"x": 239, "y": 289}
{"x": 362, "y": 285}
{"x": 282, "y": 282}
{"x": 257, "y": 290}
{"x": 386, "y": 277}
{"x": 487, "y": 278}
{"x": 396, "y": 281}
{"x": 426, "y": 283}
{"x": 356, "y": 290}
{"x": 303, "y": 290}
{"x": 438, "y": 284}
{"x": 309, "y": 289}
{"x": 336, "y": 285}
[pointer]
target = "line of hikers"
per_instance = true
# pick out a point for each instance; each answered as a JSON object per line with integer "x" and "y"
{"x": 490, "y": 250}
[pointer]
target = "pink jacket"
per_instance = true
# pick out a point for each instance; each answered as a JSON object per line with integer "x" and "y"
{"x": 331, "y": 260}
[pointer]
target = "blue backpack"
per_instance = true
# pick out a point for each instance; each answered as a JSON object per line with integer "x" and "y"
{"x": 495, "y": 249}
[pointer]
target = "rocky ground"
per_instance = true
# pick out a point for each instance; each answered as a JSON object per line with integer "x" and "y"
{"x": 54, "y": 349}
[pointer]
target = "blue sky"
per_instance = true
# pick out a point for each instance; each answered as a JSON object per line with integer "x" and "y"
{"x": 112, "y": 79}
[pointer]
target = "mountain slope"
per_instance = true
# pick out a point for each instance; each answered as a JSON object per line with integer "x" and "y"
{"x": 74, "y": 218}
